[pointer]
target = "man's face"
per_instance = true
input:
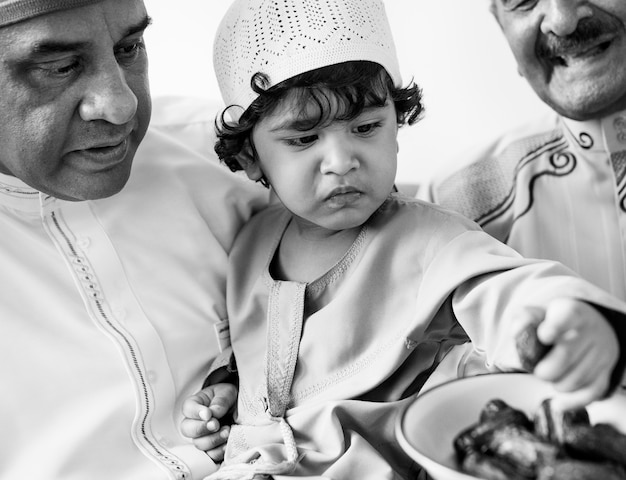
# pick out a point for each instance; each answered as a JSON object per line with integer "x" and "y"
{"x": 572, "y": 52}
{"x": 75, "y": 100}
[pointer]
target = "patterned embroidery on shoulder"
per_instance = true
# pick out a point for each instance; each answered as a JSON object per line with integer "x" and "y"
{"x": 584, "y": 140}
{"x": 89, "y": 284}
{"x": 620, "y": 125}
{"x": 618, "y": 161}
{"x": 562, "y": 163}
{"x": 486, "y": 190}
{"x": 622, "y": 198}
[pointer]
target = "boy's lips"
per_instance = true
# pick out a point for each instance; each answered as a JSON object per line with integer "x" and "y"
{"x": 344, "y": 190}
{"x": 342, "y": 196}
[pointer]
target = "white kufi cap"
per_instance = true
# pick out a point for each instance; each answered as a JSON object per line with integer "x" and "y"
{"x": 284, "y": 38}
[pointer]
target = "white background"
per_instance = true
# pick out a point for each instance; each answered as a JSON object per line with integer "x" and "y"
{"x": 453, "y": 49}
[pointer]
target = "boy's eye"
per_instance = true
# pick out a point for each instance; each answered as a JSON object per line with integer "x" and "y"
{"x": 367, "y": 128}
{"x": 301, "y": 141}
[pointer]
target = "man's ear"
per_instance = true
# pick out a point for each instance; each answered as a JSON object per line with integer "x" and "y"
{"x": 247, "y": 160}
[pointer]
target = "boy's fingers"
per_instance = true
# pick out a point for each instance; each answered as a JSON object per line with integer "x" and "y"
{"x": 217, "y": 454}
{"x": 562, "y": 359}
{"x": 212, "y": 441}
{"x": 224, "y": 400}
{"x": 220, "y": 406}
{"x": 212, "y": 425}
{"x": 569, "y": 375}
{"x": 195, "y": 408}
{"x": 193, "y": 428}
{"x": 581, "y": 397}
{"x": 563, "y": 318}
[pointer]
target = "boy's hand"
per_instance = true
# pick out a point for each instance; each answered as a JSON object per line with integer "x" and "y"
{"x": 202, "y": 412}
{"x": 584, "y": 352}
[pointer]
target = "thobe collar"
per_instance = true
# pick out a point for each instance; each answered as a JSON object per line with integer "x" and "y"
{"x": 605, "y": 135}
{"x": 16, "y": 195}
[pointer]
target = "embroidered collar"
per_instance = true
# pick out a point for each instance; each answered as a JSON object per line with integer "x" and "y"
{"x": 17, "y": 195}
{"x": 604, "y": 135}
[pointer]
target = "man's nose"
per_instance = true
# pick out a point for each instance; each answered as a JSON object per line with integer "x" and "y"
{"x": 109, "y": 98}
{"x": 561, "y": 17}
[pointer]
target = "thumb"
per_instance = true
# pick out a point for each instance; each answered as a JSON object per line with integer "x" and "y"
{"x": 224, "y": 399}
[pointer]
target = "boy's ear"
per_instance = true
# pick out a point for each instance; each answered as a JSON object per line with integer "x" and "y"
{"x": 246, "y": 159}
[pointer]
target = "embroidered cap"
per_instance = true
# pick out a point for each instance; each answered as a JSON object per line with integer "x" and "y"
{"x": 14, "y": 11}
{"x": 284, "y": 38}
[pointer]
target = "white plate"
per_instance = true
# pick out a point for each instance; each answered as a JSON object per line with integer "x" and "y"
{"x": 427, "y": 427}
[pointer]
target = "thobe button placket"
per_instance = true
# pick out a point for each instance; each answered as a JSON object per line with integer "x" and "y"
{"x": 152, "y": 376}
{"x": 83, "y": 242}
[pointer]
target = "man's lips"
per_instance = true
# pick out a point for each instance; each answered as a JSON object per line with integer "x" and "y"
{"x": 102, "y": 155}
{"x": 111, "y": 142}
{"x": 569, "y": 55}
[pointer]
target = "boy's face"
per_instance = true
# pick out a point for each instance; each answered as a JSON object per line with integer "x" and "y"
{"x": 335, "y": 175}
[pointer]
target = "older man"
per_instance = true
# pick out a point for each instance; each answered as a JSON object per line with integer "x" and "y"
{"x": 557, "y": 189}
{"x": 112, "y": 291}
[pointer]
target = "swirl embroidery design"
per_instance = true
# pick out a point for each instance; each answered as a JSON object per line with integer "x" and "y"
{"x": 620, "y": 126}
{"x": 584, "y": 140}
{"x": 562, "y": 163}
{"x": 496, "y": 191}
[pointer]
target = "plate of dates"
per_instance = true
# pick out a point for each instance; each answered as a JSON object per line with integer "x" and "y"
{"x": 502, "y": 426}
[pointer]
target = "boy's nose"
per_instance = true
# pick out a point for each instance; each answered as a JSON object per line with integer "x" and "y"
{"x": 339, "y": 158}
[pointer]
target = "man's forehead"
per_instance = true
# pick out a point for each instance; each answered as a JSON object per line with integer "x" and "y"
{"x": 15, "y": 11}
{"x": 86, "y": 29}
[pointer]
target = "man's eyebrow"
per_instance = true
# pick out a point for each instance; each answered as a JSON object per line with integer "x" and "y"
{"x": 139, "y": 26}
{"x": 53, "y": 46}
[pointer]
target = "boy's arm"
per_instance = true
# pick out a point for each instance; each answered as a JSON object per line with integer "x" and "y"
{"x": 223, "y": 369}
{"x": 617, "y": 320}
{"x": 494, "y": 289}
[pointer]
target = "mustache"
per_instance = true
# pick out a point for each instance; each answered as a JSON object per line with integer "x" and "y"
{"x": 587, "y": 32}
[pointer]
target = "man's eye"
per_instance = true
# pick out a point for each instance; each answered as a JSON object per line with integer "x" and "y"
{"x": 518, "y": 4}
{"x": 58, "y": 69}
{"x": 66, "y": 69}
{"x": 131, "y": 50}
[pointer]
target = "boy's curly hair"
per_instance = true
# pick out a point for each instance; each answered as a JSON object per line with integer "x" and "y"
{"x": 354, "y": 85}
